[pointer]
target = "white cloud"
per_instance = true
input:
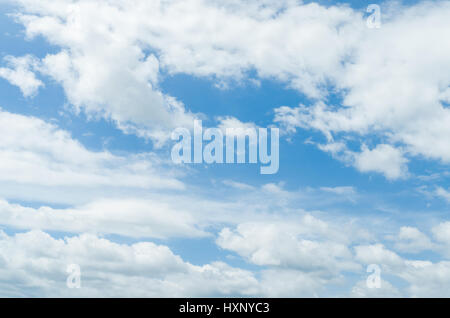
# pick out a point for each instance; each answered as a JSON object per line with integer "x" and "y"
{"x": 395, "y": 93}
{"x": 384, "y": 159}
{"x": 441, "y": 192}
{"x": 103, "y": 67}
{"x": 307, "y": 258}
{"x": 238, "y": 185}
{"x": 36, "y": 154}
{"x": 422, "y": 278}
{"x": 378, "y": 254}
{"x": 20, "y": 72}
{"x": 292, "y": 283}
{"x": 344, "y": 190}
{"x": 234, "y": 127}
{"x": 126, "y": 217}
{"x": 411, "y": 240}
{"x": 229, "y": 122}
{"x": 299, "y": 257}
{"x": 427, "y": 279}
{"x": 442, "y": 232}
{"x": 308, "y": 244}
{"x": 34, "y": 264}
{"x": 386, "y": 290}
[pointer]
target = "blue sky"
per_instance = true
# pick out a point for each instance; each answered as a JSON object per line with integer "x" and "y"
{"x": 88, "y": 106}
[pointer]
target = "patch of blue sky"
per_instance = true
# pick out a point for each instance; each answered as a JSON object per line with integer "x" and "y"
{"x": 13, "y": 40}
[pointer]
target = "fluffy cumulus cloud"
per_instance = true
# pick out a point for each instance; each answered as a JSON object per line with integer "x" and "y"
{"x": 35, "y": 264}
{"x": 384, "y": 159}
{"x": 20, "y": 73}
{"x": 289, "y": 245}
{"x": 441, "y": 192}
{"x": 397, "y": 94}
{"x": 301, "y": 257}
{"x": 315, "y": 254}
{"x": 361, "y": 290}
{"x": 427, "y": 279}
{"x": 410, "y": 239}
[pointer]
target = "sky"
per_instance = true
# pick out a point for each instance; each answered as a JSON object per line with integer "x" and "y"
{"x": 91, "y": 91}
